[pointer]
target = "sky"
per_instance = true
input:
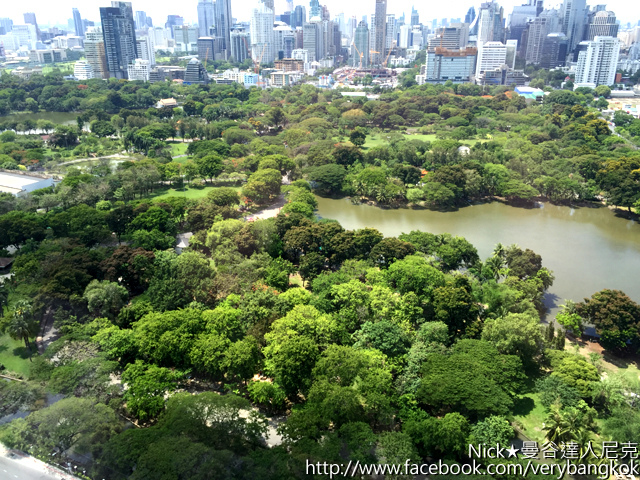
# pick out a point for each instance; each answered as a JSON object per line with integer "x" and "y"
{"x": 51, "y": 12}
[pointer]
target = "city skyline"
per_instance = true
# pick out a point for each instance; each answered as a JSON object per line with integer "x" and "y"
{"x": 50, "y": 14}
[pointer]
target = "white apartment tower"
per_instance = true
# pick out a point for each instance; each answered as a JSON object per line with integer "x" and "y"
{"x": 491, "y": 55}
{"x": 262, "y": 34}
{"x": 597, "y": 63}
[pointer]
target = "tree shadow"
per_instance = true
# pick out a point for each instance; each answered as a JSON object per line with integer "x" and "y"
{"x": 523, "y": 406}
{"x": 3, "y": 348}
{"x": 22, "y": 352}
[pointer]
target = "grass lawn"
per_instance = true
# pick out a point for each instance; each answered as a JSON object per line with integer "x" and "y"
{"x": 178, "y": 148}
{"x": 531, "y": 414}
{"x": 14, "y": 355}
{"x": 379, "y": 139}
{"x": 193, "y": 193}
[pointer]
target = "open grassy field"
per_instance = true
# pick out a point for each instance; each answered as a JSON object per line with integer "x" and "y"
{"x": 192, "y": 193}
{"x": 379, "y": 139}
{"x": 14, "y": 355}
{"x": 178, "y": 148}
{"x": 530, "y": 413}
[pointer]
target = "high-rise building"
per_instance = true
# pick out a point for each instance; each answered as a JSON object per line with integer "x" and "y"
{"x": 490, "y": 23}
{"x": 454, "y": 37}
{"x": 360, "y": 52}
{"x": 270, "y": 4}
{"x": 315, "y": 10}
{"x": 223, "y": 21}
{"x": 209, "y": 49}
{"x": 78, "y": 23}
{"x": 491, "y": 56}
{"x": 573, "y": 21}
{"x": 119, "y": 33}
{"x": 186, "y": 38}
{"x": 30, "y": 19}
{"x": 239, "y": 44}
{"x": 206, "y": 17}
{"x": 195, "y": 73}
{"x": 139, "y": 70}
{"x": 141, "y": 20}
{"x": 470, "y": 16}
{"x": 381, "y": 32}
{"x": 299, "y": 16}
{"x": 443, "y": 64}
{"x": 145, "y": 48}
{"x": 262, "y": 37}
{"x": 6, "y": 25}
{"x": 537, "y": 33}
{"x": 601, "y": 24}
{"x": 26, "y": 35}
{"x": 554, "y": 51}
{"x": 598, "y": 62}
{"x": 392, "y": 33}
{"x": 173, "y": 21}
{"x": 82, "y": 70}
{"x": 520, "y": 17}
{"x": 313, "y": 40}
{"x": 415, "y": 17}
{"x": 95, "y": 53}
{"x": 404, "y": 37}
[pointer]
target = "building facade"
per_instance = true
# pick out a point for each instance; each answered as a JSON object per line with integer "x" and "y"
{"x": 119, "y": 33}
{"x": 139, "y": 70}
{"x": 262, "y": 35}
{"x": 380, "y": 32}
{"x": 95, "y": 53}
{"x": 597, "y": 63}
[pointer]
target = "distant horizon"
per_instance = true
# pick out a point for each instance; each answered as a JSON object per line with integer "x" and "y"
{"x": 49, "y": 14}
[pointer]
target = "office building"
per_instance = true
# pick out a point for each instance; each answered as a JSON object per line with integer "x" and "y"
{"x": 95, "y": 53}
{"x": 380, "y": 33}
{"x": 223, "y": 21}
{"x": 196, "y": 73}
{"x": 47, "y": 56}
{"x": 139, "y": 70}
{"x": 315, "y": 10}
{"x": 453, "y": 37}
{"x": 554, "y": 51}
{"x": 119, "y": 33}
{"x": 520, "y": 17}
{"x": 145, "y": 48}
{"x": 284, "y": 39}
{"x": 6, "y": 25}
{"x": 30, "y": 19}
{"x": 537, "y": 32}
{"x": 173, "y": 21}
{"x": 490, "y": 23}
{"x": 503, "y": 76}
{"x": 209, "y": 49}
{"x": 186, "y": 38}
{"x": 491, "y": 56}
{"x": 573, "y": 21}
{"x": 360, "y": 50}
{"x": 597, "y": 63}
{"x": 443, "y": 64}
{"x": 78, "y": 23}
{"x": 415, "y": 17}
{"x": 392, "y": 33}
{"x": 206, "y": 18}
{"x": 404, "y": 36}
{"x": 289, "y": 65}
{"x": 82, "y": 70}
{"x": 240, "y": 41}
{"x": 601, "y": 24}
{"x": 262, "y": 35}
{"x": 299, "y": 16}
{"x": 313, "y": 40}
{"x": 140, "y": 19}
{"x": 25, "y": 35}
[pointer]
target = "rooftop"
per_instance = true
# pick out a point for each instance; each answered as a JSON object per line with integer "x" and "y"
{"x": 15, "y": 182}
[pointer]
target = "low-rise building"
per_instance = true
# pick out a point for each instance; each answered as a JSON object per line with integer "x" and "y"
{"x": 139, "y": 70}
{"x": 83, "y": 70}
{"x": 20, "y": 183}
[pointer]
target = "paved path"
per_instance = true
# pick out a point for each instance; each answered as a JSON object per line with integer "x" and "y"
{"x": 269, "y": 212}
{"x": 78, "y": 160}
{"x": 16, "y": 465}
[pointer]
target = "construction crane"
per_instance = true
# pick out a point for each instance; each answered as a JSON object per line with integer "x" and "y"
{"x": 257, "y": 62}
{"x": 206, "y": 57}
{"x": 358, "y": 52}
{"x": 393, "y": 44}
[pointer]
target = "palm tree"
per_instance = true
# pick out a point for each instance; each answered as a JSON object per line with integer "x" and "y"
{"x": 20, "y": 326}
{"x": 555, "y": 425}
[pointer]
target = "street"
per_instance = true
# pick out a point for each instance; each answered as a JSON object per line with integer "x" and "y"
{"x": 13, "y": 467}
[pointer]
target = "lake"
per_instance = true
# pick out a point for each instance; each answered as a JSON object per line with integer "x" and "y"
{"x": 588, "y": 249}
{"x": 62, "y": 118}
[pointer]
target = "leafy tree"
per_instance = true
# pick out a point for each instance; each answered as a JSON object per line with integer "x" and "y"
{"x": 20, "y": 325}
{"x": 616, "y": 318}
{"x": 147, "y": 386}
{"x": 105, "y": 298}
{"x": 555, "y": 391}
{"x": 328, "y": 178}
{"x": 209, "y": 166}
{"x": 384, "y": 336}
{"x": 358, "y": 137}
{"x": 515, "y": 334}
{"x": 492, "y": 430}
{"x": 224, "y": 197}
{"x": 390, "y": 250}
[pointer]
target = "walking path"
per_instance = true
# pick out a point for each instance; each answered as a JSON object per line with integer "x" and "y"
{"x": 15, "y": 464}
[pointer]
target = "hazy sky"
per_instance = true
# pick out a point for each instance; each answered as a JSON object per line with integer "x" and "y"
{"x": 59, "y": 11}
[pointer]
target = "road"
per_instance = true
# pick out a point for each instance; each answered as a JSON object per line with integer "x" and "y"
{"x": 18, "y": 467}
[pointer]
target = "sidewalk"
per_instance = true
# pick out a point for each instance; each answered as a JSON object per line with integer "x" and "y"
{"x": 30, "y": 467}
